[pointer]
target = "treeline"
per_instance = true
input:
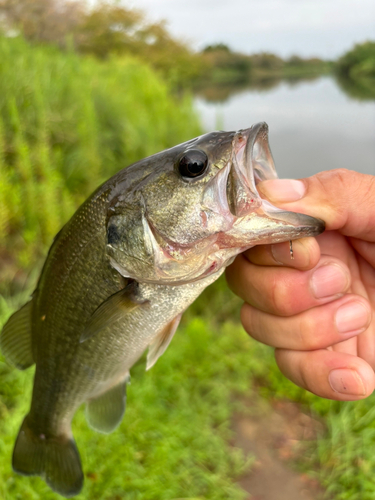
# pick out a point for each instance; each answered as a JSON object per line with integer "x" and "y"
{"x": 355, "y": 71}
{"x": 222, "y": 65}
{"x": 106, "y": 29}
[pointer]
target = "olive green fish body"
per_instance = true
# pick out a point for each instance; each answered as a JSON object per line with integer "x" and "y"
{"x": 75, "y": 280}
{"x": 120, "y": 274}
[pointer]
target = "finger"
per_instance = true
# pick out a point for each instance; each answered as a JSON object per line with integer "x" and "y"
{"x": 285, "y": 291}
{"x": 367, "y": 251}
{"x": 366, "y": 345}
{"x": 328, "y": 374}
{"x": 306, "y": 254}
{"x": 349, "y": 346}
{"x": 344, "y": 199}
{"x": 315, "y": 328}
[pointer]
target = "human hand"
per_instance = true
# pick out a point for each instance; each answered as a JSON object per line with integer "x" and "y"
{"x": 316, "y": 310}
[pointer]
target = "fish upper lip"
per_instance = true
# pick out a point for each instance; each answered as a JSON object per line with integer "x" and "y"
{"x": 252, "y": 162}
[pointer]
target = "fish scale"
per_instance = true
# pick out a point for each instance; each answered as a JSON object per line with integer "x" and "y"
{"x": 68, "y": 258}
{"x": 120, "y": 274}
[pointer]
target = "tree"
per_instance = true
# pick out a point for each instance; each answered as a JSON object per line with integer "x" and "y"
{"x": 42, "y": 20}
{"x": 104, "y": 29}
{"x": 216, "y": 47}
{"x": 355, "y": 71}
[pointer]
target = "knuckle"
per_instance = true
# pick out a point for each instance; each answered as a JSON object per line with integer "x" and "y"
{"x": 245, "y": 316}
{"x": 341, "y": 177}
{"x": 368, "y": 191}
{"x": 282, "y": 298}
{"x": 279, "y": 358}
{"x": 292, "y": 365}
{"x": 254, "y": 324}
{"x": 352, "y": 189}
{"x": 303, "y": 378}
{"x": 308, "y": 335}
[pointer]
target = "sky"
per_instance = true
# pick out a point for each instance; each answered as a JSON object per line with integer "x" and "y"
{"x": 322, "y": 28}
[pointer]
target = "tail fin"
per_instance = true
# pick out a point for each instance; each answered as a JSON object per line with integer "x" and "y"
{"x": 55, "y": 459}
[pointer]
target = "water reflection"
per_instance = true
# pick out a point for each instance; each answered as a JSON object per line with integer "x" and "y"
{"x": 313, "y": 124}
{"x": 362, "y": 89}
{"x": 221, "y": 93}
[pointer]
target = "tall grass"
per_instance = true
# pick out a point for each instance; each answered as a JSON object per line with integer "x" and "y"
{"x": 66, "y": 124}
{"x": 174, "y": 440}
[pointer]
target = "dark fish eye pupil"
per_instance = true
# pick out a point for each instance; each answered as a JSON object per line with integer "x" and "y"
{"x": 193, "y": 163}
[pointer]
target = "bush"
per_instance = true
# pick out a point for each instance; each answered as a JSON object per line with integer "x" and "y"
{"x": 67, "y": 123}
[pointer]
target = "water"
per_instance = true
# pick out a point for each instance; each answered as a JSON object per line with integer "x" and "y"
{"x": 314, "y": 125}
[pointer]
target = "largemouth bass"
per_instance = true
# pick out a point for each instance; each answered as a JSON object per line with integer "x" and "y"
{"x": 120, "y": 274}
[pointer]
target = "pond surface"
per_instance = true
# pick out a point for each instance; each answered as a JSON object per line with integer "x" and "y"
{"x": 314, "y": 125}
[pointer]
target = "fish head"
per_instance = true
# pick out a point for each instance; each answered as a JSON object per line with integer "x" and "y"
{"x": 183, "y": 214}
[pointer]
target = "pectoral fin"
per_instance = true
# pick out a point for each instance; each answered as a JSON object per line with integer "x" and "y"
{"x": 160, "y": 343}
{"x": 15, "y": 338}
{"x": 105, "y": 412}
{"x": 111, "y": 310}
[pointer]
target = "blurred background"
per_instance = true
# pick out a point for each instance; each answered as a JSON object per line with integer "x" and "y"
{"x": 88, "y": 88}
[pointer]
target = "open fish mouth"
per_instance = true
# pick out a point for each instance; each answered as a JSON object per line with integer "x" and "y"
{"x": 252, "y": 163}
{"x": 233, "y": 193}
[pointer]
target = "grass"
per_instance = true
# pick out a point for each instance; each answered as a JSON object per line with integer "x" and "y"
{"x": 68, "y": 123}
{"x": 173, "y": 442}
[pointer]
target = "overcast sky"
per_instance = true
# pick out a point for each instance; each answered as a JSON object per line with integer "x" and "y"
{"x": 323, "y": 28}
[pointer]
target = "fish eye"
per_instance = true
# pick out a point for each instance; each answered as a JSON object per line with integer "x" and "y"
{"x": 193, "y": 163}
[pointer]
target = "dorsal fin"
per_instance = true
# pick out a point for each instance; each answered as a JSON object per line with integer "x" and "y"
{"x": 162, "y": 340}
{"x": 15, "y": 338}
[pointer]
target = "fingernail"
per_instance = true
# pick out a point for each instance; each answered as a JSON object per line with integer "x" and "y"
{"x": 278, "y": 253}
{"x": 346, "y": 381}
{"x": 282, "y": 190}
{"x": 352, "y": 317}
{"x": 281, "y": 252}
{"x": 329, "y": 280}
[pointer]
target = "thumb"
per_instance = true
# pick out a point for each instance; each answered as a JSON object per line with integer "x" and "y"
{"x": 344, "y": 199}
